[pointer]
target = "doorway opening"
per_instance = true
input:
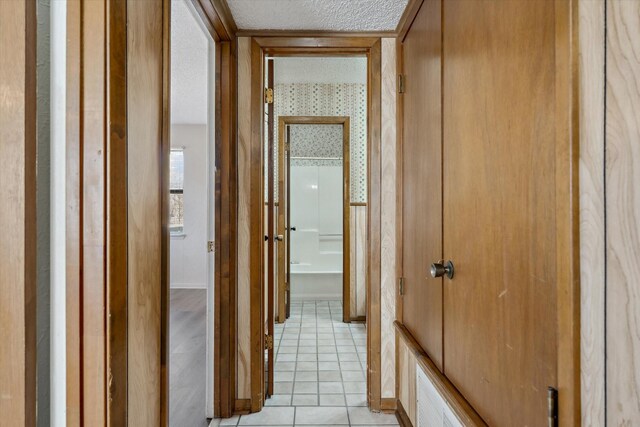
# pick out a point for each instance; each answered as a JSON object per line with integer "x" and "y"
{"x": 315, "y": 183}
{"x": 191, "y": 219}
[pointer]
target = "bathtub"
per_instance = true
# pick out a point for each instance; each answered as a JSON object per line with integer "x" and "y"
{"x": 316, "y": 272}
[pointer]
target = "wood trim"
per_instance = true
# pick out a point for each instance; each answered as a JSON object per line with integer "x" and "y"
{"x": 256, "y": 223}
{"x": 388, "y": 404}
{"x": 459, "y": 406}
{"x": 358, "y": 204}
{"x": 18, "y": 277}
{"x": 217, "y": 19}
{"x": 117, "y": 255}
{"x": 345, "y": 121}
{"x": 165, "y": 277}
{"x": 242, "y": 406}
{"x": 399, "y": 180}
{"x": 401, "y": 415}
{"x": 592, "y": 210}
{"x": 567, "y": 212}
{"x": 225, "y": 337}
{"x": 73, "y": 259}
{"x": 407, "y": 18}
{"x": 373, "y": 227}
{"x": 316, "y": 46}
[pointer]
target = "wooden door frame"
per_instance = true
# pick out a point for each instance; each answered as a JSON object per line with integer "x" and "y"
{"x": 319, "y": 46}
{"x": 98, "y": 115}
{"x": 568, "y": 103}
{"x": 345, "y": 122}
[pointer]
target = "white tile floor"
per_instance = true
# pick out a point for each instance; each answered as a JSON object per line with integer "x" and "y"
{"x": 319, "y": 372}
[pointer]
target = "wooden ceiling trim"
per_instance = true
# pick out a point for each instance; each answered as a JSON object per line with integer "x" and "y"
{"x": 407, "y": 18}
{"x": 217, "y": 18}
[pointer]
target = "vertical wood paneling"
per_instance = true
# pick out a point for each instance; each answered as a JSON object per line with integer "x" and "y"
{"x": 145, "y": 233}
{"x": 352, "y": 266}
{"x": 407, "y": 378}
{"x": 73, "y": 212}
{"x": 17, "y": 213}
{"x": 256, "y": 230}
{"x": 361, "y": 260}
{"x": 623, "y": 212}
{"x": 93, "y": 205}
{"x": 592, "y": 215}
{"x": 388, "y": 214}
{"x": 244, "y": 188}
{"x": 373, "y": 227}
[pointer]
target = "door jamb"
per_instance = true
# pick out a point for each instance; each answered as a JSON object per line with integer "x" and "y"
{"x": 322, "y": 46}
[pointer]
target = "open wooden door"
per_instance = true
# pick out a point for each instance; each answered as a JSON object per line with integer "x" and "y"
{"x": 287, "y": 209}
{"x": 271, "y": 236}
{"x": 283, "y": 308}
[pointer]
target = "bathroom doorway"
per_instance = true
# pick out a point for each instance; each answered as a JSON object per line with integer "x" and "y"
{"x": 314, "y": 193}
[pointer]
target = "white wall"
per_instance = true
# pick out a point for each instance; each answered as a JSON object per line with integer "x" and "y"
{"x": 188, "y": 256}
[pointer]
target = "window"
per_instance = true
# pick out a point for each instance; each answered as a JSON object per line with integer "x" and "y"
{"x": 176, "y": 188}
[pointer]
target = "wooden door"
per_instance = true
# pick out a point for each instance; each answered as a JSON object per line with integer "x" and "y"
{"x": 287, "y": 219}
{"x": 422, "y": 180}
{"x": 499, "y": 206}
{"x": 270, "y": 238}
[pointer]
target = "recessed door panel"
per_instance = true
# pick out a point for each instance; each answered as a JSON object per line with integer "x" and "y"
{"x": 422, "y": 179}
{"x": 499, "y": 206}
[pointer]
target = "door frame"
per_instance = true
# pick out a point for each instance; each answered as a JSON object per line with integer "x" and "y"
{"x": 252, "y": 128}
{"x": 345, "y": 122}
{"x": 99, "y": 277}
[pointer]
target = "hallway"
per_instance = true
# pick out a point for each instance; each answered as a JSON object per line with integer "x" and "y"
{"x": 319, "y": 372}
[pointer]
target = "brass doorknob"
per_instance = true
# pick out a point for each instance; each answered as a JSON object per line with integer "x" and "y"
{"x": 439, "y": 269}
{"x": 279, "y": 237}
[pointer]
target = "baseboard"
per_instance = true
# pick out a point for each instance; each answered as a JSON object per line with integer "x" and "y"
{"x": 402, "y": 416}
{"x": 187, "y": 286}
{"x": 388, "y": 404}
{"x": 242, "y": 407}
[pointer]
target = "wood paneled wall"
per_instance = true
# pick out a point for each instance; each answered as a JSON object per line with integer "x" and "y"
{"x": 117, "y": 167}
{"x": 610, "y": 211}
{"x": 358, "y": 264}
{"x": 146, "y": 155}
{"x": 388, "y": 214}
{"x": 592, "y": 239}
{"x": 18, "y": 213}
{"x": 244, "y": 203}
{"x": 622, "y": 227}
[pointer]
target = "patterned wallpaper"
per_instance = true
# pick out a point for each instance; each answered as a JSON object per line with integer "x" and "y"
{"x": 331, "y": 99}
{"x": 319, "y": 141}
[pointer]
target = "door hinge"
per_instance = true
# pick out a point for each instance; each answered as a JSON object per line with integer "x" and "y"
{"x": 401, "y": 83}
{"x": 268, "y": 342}
{"x": 401, "y": 286}
{"x": 552, "y": 407}
{"x": 268, "y": 95}
{"x": 211, "y": 246}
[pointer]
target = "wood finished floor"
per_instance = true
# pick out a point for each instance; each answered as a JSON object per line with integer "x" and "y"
{"x": 187, "y": 372}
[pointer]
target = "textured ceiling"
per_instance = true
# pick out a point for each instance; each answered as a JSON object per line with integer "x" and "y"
{"x": 328, "y": 15}
{"x": 189, "y": 51}
{"x": 320, "y": 70}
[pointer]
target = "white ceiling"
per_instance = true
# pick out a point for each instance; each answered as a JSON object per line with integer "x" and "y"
{"x": 189, "y": 53}
{"x": 327, "y": 15}
{"x": 320, "y": 70}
